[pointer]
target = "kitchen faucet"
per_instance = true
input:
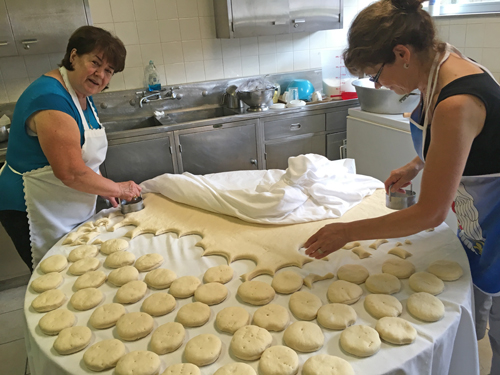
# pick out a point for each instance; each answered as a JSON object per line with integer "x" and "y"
{"x": 156, "y": 95}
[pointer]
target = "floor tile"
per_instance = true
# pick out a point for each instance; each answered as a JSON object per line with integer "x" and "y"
{"x": 13, "y": 358}
{"x": 11, "y": 326}
{"x": 12, "y": 299}
{"x": 485, "y": 355}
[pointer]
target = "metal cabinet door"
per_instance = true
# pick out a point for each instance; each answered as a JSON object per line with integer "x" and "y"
{"x": 7, "y": 45}
{"x": 282, "y": 127}
{"x": 218, "y": 149}
{"x": 333, "y": 144}
{"x": 259, "y": 17}
{"x": 49, "y": 22}
{"x": 138, "y": 158}
{"x": 277, "y": 154}
{"x": 337, "y": 121}
{"x": 314, "y": 15}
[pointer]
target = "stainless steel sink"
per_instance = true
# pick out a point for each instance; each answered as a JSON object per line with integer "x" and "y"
{"x": 130, "y": 123}
{"x": 118, "y": 124}
{"x": 198, "y": 114}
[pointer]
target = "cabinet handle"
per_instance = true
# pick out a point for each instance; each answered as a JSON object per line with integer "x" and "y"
{"x": 343, "y": 149}
{"x": 253, "y": 161}
{"x": 180, "y": 148}
{"x": 26, "y": 43}
{"x": 218, "y": 126}
{"x": 170, "y": 149}
{"x": 279, "y": 23}
{"x": 295, "y": 127}
{"x": 4, "y": 43}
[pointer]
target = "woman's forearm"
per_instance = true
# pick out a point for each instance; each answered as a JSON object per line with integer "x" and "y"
{"x": 87, "y": 181}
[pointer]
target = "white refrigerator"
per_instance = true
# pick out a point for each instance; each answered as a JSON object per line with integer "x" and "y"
{"x": 381, "y": 143}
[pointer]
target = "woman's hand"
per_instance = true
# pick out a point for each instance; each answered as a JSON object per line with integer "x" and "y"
{"x": 402, "y": 177}
{"x": 112, "y": 200}
{"x": 328, "y": 239}
{"x": 129, "y": 190}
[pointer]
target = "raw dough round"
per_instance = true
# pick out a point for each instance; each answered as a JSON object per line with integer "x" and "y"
{"x": 54, "y": 263}
{"x": 272, "y": 317}
{"x": 84, "y": 251}
{"x": 256, "y": 292}
{"x": 336, "y": 316}
{"x": 232, "y": 318}
{"x": 134, "y": 326}
{"x": 354, "y": 273}
{"x": 304, "y": 305}
{"x": 86, "y": 299}
{"x": 382, "y": 305}
{"x": 119, "y": 259}
{"x": 84, "y": 265}
{"x": 193, "y": 314}
{"x": 203, "y": 349}
{"x": 279, "y": 359}
{"x": 383, "y": 283}
{"x": 184, "y": 287}
{"x": 219, "y": 274}
{"x": 324, "y": 364}
{"x": 123, "y": 275}
{"x": 138, "y": 362}
{"x": 104, "y": 354}
{"x": 360, "y": 340}
{"x": 49, "y": 300}
{"x": 182, "y": 369}
{"x": 396, "y": 330}
{"x": 342, "y": 291}
{"x": 426, "y": 282}
{"x": 211, "y": 293}
{"x": 249, "y": 342}
{"x": 160, "y": 278}
{"x": 287, "y": 282}
{"x": 236, "y": 368}
{"x": 148, "y": 262}
{"x": 131, "y": 292}
{"x": 304, "y": 337}
{"x": 400, "y": 268}
{"x": 167, "y": 338}
{"x": 158, "y": 304}
{"x": 55, "y": 321}
{"x": 114, "y": 245}
{"x": 72, "y": 340}
{"x": 425, "y": 306}
{"x": 91, "y": 279}
{"x": 446, "y": 270}
{"x": 47, "y": 282}
{"x": 106, "y": 316}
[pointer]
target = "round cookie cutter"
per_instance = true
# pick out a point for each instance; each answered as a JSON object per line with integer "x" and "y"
{"x": 399, "y": 201}
{"x": 134, "y": 205}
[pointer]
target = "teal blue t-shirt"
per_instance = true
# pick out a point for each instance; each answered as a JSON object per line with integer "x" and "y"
{"x": 24, "y": 152}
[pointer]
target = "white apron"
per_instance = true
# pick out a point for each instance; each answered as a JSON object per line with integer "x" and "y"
{"x": 53, "y": 208}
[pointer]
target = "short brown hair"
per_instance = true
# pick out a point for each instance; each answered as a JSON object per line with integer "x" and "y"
{"x": 383, "y": 25}
{"x": 90, "y": 38}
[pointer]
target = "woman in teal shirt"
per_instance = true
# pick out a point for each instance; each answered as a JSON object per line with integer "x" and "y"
{"x": 51, "y": 178}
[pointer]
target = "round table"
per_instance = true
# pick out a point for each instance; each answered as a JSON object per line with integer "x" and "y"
{"x": 445, "y": 347}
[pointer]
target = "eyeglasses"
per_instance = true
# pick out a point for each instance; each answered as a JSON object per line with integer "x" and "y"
{"x": 375, "y": 78}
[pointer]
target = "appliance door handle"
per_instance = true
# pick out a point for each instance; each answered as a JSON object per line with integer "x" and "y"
{"x": 295, "y": 127}
{"x": 3, "y": 44}
{"x": 279, "y": 23}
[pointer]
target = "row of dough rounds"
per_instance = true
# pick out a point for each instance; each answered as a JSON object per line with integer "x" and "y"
{"x": 193, "y": 315}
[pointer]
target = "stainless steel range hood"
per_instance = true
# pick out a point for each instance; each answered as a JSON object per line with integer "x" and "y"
{"x": 250, "y": 18}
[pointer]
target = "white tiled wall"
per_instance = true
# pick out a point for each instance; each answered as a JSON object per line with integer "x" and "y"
{"x": 179, "y": 35}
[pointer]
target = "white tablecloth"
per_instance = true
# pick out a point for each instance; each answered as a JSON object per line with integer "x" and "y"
{"x": 445, "y": 347}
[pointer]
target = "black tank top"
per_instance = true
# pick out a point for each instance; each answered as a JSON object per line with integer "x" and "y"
{"x": 484, "y": 156}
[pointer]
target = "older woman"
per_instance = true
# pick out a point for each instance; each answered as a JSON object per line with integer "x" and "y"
{"x": 51, "y": 177}
{"x": 456, "y": 133}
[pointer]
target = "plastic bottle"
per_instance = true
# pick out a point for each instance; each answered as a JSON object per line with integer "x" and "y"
{"x": 151, "y": 77}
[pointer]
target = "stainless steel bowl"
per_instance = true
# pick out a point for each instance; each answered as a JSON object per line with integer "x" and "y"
{"x": 384, "y": 100}
{"x": 257, "y": 100}
{"x": 4, "y": 133}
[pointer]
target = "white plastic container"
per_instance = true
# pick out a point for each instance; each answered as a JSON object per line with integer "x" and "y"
{"x": 331, "y": 72}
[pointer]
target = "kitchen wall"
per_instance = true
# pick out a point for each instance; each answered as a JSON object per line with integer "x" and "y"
{"x": 179, "y": 35}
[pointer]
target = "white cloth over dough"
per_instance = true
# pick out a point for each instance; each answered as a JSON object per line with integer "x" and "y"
{"x": 312, "y": 188}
